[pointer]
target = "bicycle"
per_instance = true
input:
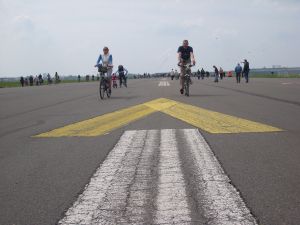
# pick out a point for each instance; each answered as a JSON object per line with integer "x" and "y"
{"x": 115, "y": 85}
{"x": 186, "y": 78}
{"x": 123, "y": 80}
{"x": 104, "y": 82}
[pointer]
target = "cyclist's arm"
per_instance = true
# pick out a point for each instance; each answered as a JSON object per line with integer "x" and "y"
{"x": 179, "y": 57}
{"x": 110, "y": 61}
{"x": 193, "y": 58}
{"x": 126, "y": 72}
{"x": 99, "y": 60}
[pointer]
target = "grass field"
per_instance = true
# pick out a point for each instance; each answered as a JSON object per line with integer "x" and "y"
{"x": 8, "y": 84}
{"x": 275, "y": 76}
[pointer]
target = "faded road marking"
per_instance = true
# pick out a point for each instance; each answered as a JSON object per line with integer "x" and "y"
{"x": 144, "y": 181}
{"x": 163, "y": 84}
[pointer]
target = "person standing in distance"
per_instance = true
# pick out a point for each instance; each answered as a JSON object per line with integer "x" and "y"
{"x": 22, "y": 81}
{"x": 106, "y": 60}
{"x": 246, "y": 70}
{"x": 202, "y": 73}
{"x": 185, "y": 56}
{"x": 172, "y": 74}
{"x": 238, "y": 71}
{"x": 216, "y": 74}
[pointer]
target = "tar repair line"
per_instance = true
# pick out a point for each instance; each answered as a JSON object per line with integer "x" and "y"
{"x": 142, "y": 182}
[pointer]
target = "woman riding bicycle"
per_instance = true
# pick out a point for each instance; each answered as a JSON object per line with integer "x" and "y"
{"x": 185, "y": 56}
{"x": 106, "y": 60}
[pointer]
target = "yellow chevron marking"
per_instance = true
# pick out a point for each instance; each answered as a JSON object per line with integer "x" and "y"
{"x": 101, "y": 124}
{"x": 210, "y": 121}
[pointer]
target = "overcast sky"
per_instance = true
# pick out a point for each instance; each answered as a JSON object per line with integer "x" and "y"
{"x": 66, "y": 36}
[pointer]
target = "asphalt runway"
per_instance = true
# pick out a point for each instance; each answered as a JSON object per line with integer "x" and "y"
{"x": 41, "y": 177}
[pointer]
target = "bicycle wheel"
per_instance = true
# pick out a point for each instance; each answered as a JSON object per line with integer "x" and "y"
{"x": 107, "y": 88}
{"x": 187, "y": 87}
{"x": 102, "y": 88}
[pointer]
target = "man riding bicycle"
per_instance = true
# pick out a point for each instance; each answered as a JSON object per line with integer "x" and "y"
{"x": 105, "y": 60}
{"x": 185, "y": 56}
{"x": 122, "y": 75}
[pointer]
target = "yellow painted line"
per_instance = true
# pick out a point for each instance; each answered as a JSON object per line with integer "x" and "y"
{"x": 101, "y": 124}
{"x": 160, "y": 104}
{"x": 215, "y": 122}
{"x": 210, "y": 121}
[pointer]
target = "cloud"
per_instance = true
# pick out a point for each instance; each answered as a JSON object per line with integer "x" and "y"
{"x": 223, "y": 33}
{"x": 144, "y": 35}
{"x": 23, "y": 28}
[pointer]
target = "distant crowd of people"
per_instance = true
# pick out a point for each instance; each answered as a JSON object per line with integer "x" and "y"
{"x": 219, "y": 74}
{"x": 39, "y": 80}
{"x": 141, "y": 76}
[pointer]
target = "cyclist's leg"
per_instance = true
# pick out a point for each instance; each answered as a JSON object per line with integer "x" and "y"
{"x": 191, "y": 75}
{"x": 181, "y": 77}
{"x": 123, "y": 79}
{"x": 109, "y": 73}
{"x": 120, "y": 80}
{"x": 109, "y": 83}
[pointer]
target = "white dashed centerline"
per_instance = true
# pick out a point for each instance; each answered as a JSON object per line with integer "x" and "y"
{"x": 171, "y": 199}
{"x": 163, "y": 84}
{"x": 220, "y": 201}
{"x": 160, "y": 177}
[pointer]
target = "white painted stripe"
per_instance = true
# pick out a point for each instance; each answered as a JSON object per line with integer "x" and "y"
{"x": 172, "y": 205}
{"x": 142, "y": 182}
{"x": 139, "y": 207}
{"x": 109, "y": 180}
{"x": 163, "y": 84}
{"x": 221, "y": 202}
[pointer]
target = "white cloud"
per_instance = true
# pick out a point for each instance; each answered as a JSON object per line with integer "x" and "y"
{"x": 67, "y": 36}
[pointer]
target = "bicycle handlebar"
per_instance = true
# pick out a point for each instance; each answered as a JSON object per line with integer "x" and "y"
{"x": 100, "y": 65}
{"x": 186, "y": 65}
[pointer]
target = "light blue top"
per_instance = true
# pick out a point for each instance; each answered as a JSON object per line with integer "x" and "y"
{"x": 100, "y": 59}
{"x": 238, "y": 69}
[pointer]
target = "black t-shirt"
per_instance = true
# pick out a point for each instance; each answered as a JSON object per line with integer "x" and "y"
{"x": 216, "y": 70}
{"x": 120, "y": 68}
{"x": 185, "y": 52}
{"x": 246, "y": 67}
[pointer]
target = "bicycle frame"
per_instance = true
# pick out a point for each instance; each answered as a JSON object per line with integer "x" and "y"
{"x": 186, "y": 78}
{"x": 104, "y": 84}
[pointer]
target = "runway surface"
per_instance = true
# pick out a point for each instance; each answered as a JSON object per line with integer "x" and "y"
{"x": 228, "y": 154}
